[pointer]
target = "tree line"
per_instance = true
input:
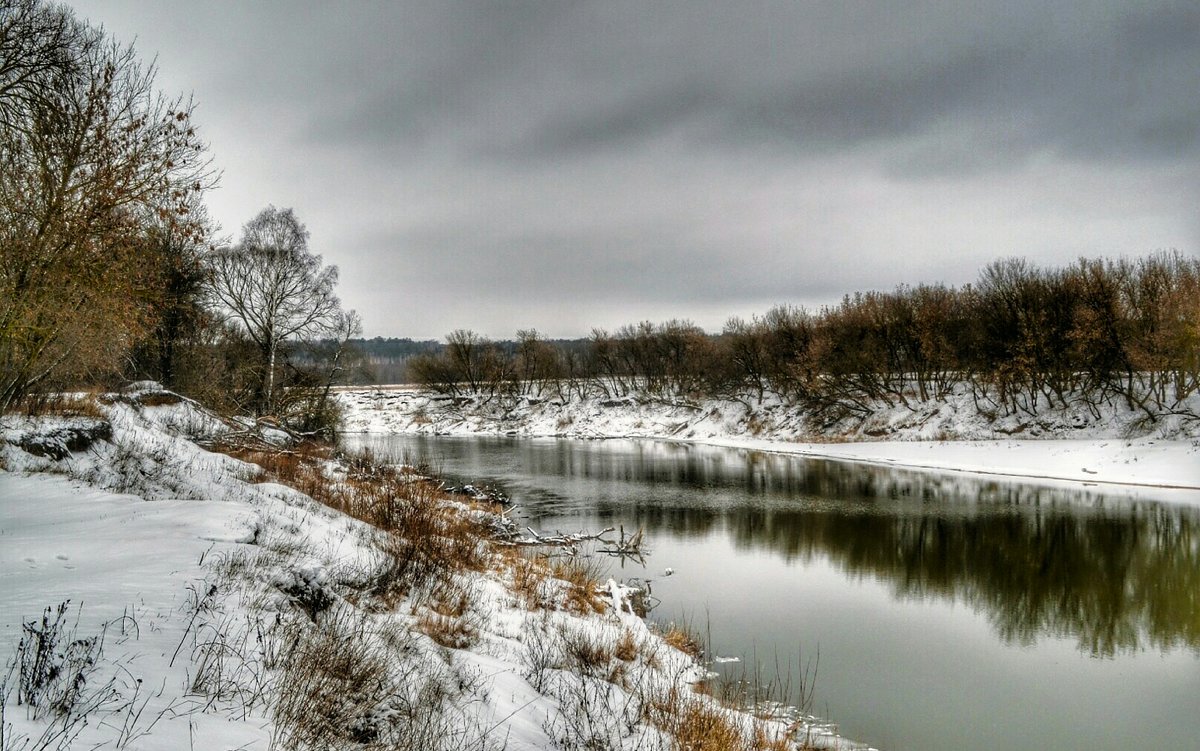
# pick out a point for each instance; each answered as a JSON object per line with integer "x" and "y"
{"x": 1022, "y": 338}
{"x": 111, "y": 268}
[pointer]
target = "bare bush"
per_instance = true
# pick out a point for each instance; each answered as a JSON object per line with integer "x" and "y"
{"x": 53, "y": 664}
{"x": 342, "y": 688}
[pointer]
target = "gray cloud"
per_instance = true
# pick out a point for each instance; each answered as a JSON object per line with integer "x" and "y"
{"x": 526, "y": 84}
{"x": 564, "y": 164}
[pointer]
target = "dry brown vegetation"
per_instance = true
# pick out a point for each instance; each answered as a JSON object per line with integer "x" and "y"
{"x": 697, "y": 723}
{"x": 680, "y": 637}
{"x": 60, "y": 405}
{"x": 626, "y": 648}
{"x": 426, "y": 540}
{"x": 582, "y": 593}
{"x": 1022, "y": 339}
{"x": 446, "y": 618}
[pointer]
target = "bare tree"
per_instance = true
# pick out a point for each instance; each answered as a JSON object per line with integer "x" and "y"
{"x": 89, "y": 152}
{"x": 275, "y": 290}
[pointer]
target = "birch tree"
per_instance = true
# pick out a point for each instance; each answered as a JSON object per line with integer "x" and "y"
{"x": 274, "y": 289}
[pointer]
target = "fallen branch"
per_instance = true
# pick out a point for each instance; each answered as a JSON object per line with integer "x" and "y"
{"x": 559, "y": 538}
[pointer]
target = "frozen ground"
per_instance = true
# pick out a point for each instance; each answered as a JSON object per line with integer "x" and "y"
{"x": 188, "y": 585}
{"x": 1118, "y": 446}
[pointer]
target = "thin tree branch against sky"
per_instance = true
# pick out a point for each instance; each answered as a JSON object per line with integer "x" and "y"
{"x": 506, "y": 165}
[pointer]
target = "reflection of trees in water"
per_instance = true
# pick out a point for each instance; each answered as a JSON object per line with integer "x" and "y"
{"x": 1037, "y": 560}
{"x": 1114, "y": 581}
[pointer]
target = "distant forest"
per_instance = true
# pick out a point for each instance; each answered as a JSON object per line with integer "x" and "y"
{"x": 1023, "y": 338}
{"x": 387, "y": 359}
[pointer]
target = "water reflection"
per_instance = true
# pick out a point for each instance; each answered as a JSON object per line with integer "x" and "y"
{"x": 1114, "y": 574}
{"x": 1113, "y": 582}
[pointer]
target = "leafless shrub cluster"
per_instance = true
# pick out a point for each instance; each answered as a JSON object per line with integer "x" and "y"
{"x": 53, "y": 665}
{"x": 341, "y": 687}
{"x": 1024, "y": 339}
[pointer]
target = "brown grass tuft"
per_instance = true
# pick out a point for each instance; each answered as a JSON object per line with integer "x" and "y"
{"x": 626, "y": 648}
{"x": 530, "y": 578}
{"x": 582, "y": 593}
{"x": 446, "y": 618}
{"x": 697, "y": 723}
{"x": 681, "y": 638}
{"x": 448, "y": 631}
{"x": 700, "y": 727}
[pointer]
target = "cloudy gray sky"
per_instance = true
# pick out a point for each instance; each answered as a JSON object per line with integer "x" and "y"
{"x": 563, "y": 165}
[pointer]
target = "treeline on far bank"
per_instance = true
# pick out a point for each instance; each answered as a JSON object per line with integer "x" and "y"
{"x": 1022, "y": 338}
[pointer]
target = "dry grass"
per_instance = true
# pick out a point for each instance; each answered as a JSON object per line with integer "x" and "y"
{"x": 697, "y": 723}
{"x": 448, "y": 631}
{"x": 447, "y": 617}
{"x": 529, "y": 579}
{"x": 626, "y": 648}
{"x": 587, "y": 653}
{"x": 427, "y": 541}
{"x": 682, "y": 638}
{"x": 582, "y": 578}
{"x": 541, "y": 583}
{"x": 703, "y": 728}
{"x": 61, "y": 405}
{"x": 333, "y": 677}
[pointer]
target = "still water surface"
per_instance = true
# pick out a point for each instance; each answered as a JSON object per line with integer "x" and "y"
{"x": 949, "y": 612}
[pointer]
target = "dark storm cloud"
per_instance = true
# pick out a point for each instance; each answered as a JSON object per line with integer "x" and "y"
{"x": 571, "y": 164}
{"x": 1090, "y": 81}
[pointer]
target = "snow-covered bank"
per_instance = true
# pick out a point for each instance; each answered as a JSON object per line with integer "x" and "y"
{"x": 204, "y": 602}
{"x": 1119, "y": 447}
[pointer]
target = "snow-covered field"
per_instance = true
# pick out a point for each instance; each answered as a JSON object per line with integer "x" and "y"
{"x": 1117, "y": 447}
{"x": 186, "y": 604}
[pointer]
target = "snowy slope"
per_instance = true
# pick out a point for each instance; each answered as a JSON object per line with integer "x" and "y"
{"x": 1118, "y": 447}
{"x": 190, "y": 589}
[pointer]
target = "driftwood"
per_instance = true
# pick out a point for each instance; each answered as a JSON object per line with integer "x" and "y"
{"x": 625, "y": 546}
{"x": 558, "y": 538}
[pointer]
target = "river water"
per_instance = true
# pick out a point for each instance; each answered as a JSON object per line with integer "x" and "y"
{"x": 948, "y": 611}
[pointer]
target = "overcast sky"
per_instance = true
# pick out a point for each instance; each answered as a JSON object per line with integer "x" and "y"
{"x": 564, "y": 165}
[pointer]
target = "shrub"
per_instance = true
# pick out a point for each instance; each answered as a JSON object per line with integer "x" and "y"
{"x": 52, "y": 665}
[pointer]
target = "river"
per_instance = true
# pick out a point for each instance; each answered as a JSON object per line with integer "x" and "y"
{"x": 948, "y": 611}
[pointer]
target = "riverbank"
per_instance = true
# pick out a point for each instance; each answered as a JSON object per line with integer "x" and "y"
{"x": 210, "y": 602}
{"x": 1116, "y": 448}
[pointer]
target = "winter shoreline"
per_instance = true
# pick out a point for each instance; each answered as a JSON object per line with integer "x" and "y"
{"x": 189, "y": 573}
{"x": 1107, "y": 453}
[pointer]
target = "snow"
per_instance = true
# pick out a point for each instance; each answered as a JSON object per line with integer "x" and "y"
{"x": 1116, "y": 449}
{"x": 126, "y": 563}
{"x": 195, "y": 576}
